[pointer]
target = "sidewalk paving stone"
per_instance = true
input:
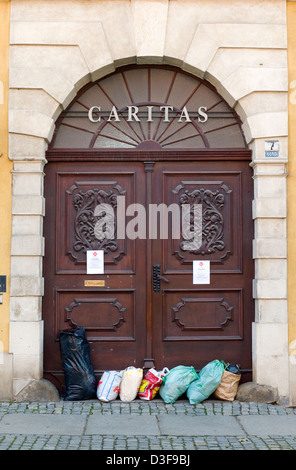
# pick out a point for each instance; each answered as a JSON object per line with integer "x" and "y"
{"x": 146, "y": 426}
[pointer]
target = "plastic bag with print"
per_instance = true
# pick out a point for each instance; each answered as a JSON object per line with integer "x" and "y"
{"x": 151, "y": 383}
{"x": 108, "y": 388}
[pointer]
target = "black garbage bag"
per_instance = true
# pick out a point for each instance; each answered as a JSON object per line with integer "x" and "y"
{"x": 80, "y": 380}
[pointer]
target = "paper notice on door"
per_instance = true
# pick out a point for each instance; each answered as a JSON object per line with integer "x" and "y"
{"x": 201, "y": 272}
{"x": 95, "y": 262}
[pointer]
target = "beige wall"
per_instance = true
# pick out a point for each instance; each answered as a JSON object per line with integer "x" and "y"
{"x": 291, "y": 15}
{"x": 59, "y": 45}
{"x": 5, "y": 172}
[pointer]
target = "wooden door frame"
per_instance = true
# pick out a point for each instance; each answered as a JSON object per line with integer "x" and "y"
{"x": 70, "y": 155}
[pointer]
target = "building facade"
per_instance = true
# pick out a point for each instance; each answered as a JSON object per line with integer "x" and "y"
{"x": 228, "y": 60}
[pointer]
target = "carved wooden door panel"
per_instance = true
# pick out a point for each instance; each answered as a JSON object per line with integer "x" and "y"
{"x": 113, "y": 315}
{"x": 193, "y": 324}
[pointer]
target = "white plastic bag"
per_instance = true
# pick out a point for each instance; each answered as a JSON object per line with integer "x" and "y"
{"x": 108, "y": 387}
{"x": 130, "y": 383}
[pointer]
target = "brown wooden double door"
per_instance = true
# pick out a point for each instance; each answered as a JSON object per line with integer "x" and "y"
{"x": 147, "y": 311}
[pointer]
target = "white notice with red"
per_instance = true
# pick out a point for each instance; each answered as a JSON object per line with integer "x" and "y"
{"x": 201, "y": 272}
{"x": 95, "y": 262}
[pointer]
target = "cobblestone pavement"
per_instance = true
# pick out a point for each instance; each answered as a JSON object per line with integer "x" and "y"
{"x": 144, "y": 442}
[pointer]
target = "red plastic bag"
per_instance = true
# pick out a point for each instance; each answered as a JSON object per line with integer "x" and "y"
{"x": 151, "y": 383}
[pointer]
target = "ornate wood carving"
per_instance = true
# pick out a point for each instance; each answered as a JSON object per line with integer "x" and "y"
{"x": 89, "y": 224}
{"x": 212, "y": 201}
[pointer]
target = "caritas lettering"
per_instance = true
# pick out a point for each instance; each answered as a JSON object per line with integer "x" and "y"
{"x": 132, "y": 113}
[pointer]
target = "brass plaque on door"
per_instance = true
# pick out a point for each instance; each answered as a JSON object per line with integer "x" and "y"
{"x": 94, "y": 283}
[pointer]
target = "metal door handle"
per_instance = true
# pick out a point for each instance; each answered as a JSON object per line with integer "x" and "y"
{"x": 157, "y": 277}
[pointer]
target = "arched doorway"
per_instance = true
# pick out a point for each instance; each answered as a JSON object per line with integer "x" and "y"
{"x": 149, "y": 137}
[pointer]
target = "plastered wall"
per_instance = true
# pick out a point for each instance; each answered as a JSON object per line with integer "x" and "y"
{"x": 5, "y": 198}
{"x": 291, "y": 193}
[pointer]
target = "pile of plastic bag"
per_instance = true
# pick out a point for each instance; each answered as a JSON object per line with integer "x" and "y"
{"x": 130, "y": 383}
{"x": 215, "y": 378}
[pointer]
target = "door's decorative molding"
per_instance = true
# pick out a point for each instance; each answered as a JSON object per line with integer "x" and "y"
{"x": 111, "y": 301}
{"x": 183, "y": 325}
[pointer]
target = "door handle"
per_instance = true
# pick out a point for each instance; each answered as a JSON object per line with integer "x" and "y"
{"x": 157, "y": 277}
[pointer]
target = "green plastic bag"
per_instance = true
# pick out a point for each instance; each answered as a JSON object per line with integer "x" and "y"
{"x": 176, "y": 383}
{"x": 209, "y": 379}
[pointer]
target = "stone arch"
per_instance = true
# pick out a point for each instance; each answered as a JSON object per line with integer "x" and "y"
{"x": 32, "y": 125}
